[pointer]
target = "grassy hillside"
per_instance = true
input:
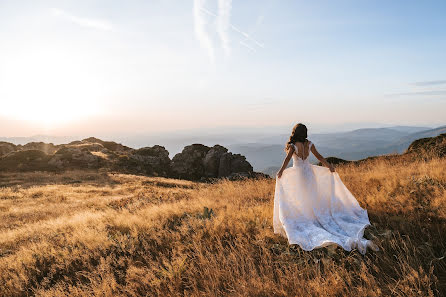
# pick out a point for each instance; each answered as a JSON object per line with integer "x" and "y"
{"x": 97, "y": 234}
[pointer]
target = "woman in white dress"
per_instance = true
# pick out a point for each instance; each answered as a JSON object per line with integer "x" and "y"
{"x": 312, "y": 207}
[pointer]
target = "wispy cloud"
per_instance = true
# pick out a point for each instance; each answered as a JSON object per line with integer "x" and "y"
{"x": 200, "y": 29}
{"x": 83, "y": 22}
{"x": 223, "y": 27}
{"x": 236, "y": 29}
{"x": 429, "y": 83}
{"x": 422, "y": 93}
{"x": 224, "y": 23}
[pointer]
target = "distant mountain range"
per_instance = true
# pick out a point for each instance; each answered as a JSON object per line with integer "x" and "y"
{"x": 266, "y": 155}
{"x": 263, "y": 147}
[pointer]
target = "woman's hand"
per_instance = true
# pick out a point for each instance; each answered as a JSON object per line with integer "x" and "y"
{"x": 279, "y": 173}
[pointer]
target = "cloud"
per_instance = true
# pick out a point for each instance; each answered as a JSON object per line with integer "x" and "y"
{"x": 247, "y": 46}
{"x": 422, "y": 93}
{"x": 200, "y": 29}
{"x": 83, "y": 22}
{"x": 244, "y": 34}
{"x": 429, "y": 83}
{"x": 223, "y": 24}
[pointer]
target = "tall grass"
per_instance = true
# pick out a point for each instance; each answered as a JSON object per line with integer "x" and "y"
{"x": 101, "y": 234}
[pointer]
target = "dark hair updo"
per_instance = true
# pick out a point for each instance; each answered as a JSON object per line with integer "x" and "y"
{"x": 299, "y": 134}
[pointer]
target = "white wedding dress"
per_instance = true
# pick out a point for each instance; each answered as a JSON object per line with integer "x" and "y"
{"x": 313, "y": 208}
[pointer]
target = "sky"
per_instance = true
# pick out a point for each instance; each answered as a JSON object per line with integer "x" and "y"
{"x": 118, "y": 67}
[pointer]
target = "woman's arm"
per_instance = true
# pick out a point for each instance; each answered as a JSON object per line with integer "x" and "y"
{"x": 322, "y": 159}
{"x": 285, "y": 162}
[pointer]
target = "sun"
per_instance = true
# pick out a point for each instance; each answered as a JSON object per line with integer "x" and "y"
{"x": 47, "y": 88}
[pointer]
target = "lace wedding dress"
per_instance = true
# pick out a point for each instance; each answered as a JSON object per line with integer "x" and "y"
{"x": 313, "y": 208}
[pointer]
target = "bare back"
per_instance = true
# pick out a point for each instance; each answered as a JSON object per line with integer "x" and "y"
{"x": 302, "y": 149}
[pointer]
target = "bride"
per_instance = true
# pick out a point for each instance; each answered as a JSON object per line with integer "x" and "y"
{"x": 312, "y": 207}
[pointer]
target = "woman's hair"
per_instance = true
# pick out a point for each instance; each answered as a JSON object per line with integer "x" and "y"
{"x": 299, "y": 134}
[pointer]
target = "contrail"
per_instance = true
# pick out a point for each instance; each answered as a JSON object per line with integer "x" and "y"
{"x": 246, "y": 35}
{"x": 223, "y": 23}
{"x": 247, "y": 46}
{"x": 200, "y": 32}
{"x": 84, "y": 22}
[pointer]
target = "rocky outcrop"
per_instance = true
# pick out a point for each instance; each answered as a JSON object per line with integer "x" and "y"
{"x": 6, "y": 148}
{"x": 72, "y": 156}
{"x": 233, "y": 163}
{"x": 195, "y": 162}
{"x": 198, "y": 161}
{"x": 153, "y": 161}
{"x": 110, "y": 145}
{"x": 189, "y": 164}
{"x": 28, "y": 160}
{"x": 47, "y": 148}
{"x": 211, "y": 161}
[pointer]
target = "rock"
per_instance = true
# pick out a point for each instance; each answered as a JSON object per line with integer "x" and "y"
{"x": 28, "y": 160}
{"x": 148, "y": 160}
{"x": 189, "y": 164}
{"x": 89, "y": 147}
{"x": 195, "y": 162}
{"x": 73, "y": 156}
{"x": 212, "y": 160}
{"x": 224, "y": 168}
{"x": 6, "y": 148}
{"x": 110, "y": 145}
{"x": 47, "y": 148}
{"x": 233, "y": 163}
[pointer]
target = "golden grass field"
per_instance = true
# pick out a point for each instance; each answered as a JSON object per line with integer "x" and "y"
{"x": 100, "y": 234}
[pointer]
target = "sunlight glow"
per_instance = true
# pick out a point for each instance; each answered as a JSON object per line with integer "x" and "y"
{"x": 47, "y": 88}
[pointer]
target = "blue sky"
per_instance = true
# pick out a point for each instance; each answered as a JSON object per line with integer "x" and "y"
{"x": 120, "y": 66}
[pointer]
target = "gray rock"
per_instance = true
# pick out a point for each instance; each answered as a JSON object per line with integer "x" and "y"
{"x": 149, "y": 160}
{"x": 211, "y": 161}
{"x": 189, "y": 164}
{"x": 73, "y": 156}
{"x": 233, "y": 163}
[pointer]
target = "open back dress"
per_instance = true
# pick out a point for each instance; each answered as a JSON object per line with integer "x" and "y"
{"x": 313, "y": 208}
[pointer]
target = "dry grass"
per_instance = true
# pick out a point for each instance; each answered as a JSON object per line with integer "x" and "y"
{"x": 98, "y": 234}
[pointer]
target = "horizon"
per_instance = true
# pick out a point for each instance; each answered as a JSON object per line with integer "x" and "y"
{"x": 229, "y": 135}
{"x": 166, "y": 67}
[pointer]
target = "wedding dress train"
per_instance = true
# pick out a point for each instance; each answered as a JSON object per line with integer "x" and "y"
{"x": 313, "y": 208}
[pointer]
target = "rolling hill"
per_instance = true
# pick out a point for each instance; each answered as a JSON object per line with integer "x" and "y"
{"x": 352, "y": 145}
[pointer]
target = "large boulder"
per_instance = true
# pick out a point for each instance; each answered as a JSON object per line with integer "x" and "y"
{"x": 6, "y": 148}
{"x": 211, "y": 161}
{"x": 189, "y": 164}
{"x": 72, "y": 156}
{"x": 148, "y": 160}
{"x": 233, "y": 163}
{"x": 28, "y": 160}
